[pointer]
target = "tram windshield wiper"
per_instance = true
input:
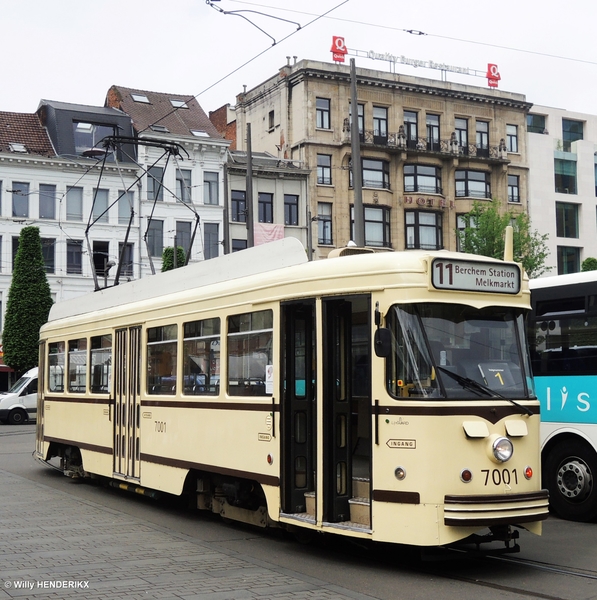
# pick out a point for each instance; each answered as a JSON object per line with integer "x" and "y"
{"x": 475, "y": 386}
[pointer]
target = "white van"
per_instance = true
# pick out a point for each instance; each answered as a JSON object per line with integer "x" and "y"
{"x": 19, "y": 404}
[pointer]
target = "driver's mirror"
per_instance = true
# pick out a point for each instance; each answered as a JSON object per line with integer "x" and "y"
{"x": 383, "y": 342}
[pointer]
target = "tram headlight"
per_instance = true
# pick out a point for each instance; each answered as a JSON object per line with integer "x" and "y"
{"x": 502, "y": 449}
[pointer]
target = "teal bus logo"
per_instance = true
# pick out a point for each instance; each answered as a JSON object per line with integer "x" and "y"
{"x": 570, "y": 399}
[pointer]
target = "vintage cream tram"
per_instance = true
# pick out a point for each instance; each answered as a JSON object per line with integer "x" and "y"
{"x": 384, "y": 396}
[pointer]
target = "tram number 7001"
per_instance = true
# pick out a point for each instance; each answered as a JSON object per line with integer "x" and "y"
{"x": 500, "y": 476}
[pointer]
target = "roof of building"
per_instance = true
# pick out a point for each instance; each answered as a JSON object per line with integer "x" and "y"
{"x": 22, "y": 133}
{"x": 157, "y": 112}
{"x": 262, "y": 160}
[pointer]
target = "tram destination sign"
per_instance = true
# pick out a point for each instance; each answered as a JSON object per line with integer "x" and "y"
{"x": 473, "y": 276}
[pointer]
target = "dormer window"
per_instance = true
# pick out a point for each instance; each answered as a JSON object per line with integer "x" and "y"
{"x": 17, "y": 147}
{"x": 140, "y": 98}
{"x": 178, "y": 103}
{"x": 159, "y": 128}
{"x": 198, "y": 133}
{"x": 88, "y": 136}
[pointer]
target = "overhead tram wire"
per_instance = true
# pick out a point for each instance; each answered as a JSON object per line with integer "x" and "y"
{"x": 259, "y": 54}
{"x": 417, "y": 32}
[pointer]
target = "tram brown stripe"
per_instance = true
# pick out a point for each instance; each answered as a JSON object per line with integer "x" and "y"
{"x": 80, "y": 445}
{"x": 482, "y": 521}
{"x": 106, "y": 400}
{"x": 212, "y": 405}
{"x": 497, "y": 498}
{"x": 493, "y": 414}
{"x": 398, "y": 497}
{"x": 185, "y": 464}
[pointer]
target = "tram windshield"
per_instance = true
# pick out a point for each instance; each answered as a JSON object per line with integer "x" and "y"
{"x": 455, "y": 351}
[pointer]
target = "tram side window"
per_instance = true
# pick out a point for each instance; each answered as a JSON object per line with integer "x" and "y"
{"x": 201, "y": 357}
{"x": 101, "y": 364}
{"x": 250, "y": 338}
{"x": 161, "y": 360}
{"x": 77, "y": 366}
{"x": 56, "y": 363}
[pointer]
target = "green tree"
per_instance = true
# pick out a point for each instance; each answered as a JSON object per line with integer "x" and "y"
{"x": 589, "y": 264}
{"x": 168, "y": 258}
{"x": 28, "y": 306}
{"x": 484, "y": 234}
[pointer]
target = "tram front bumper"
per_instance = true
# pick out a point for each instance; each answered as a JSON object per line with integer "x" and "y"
{"x": 486, "y": 510}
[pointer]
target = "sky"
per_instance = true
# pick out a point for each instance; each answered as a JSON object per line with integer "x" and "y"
{"x": 74, "y": 50}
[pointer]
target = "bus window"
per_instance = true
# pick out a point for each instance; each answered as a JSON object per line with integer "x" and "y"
{"x": 201, "y": 357}
{"x": 56, "y": 362}
{"x": 101, "y": 364}
{"x": 249, "y": 353}
{"x": 161, "y": 360}
{"x": 77, "y": 366}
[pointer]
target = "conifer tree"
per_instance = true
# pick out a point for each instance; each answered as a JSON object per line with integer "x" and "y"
{"x": 168, "y": 258}
{"x": 28, "y": 306}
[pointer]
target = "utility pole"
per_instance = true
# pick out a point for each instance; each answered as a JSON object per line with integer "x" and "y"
{"x": 249, "y": 192}
{"x": 357, "y": 174}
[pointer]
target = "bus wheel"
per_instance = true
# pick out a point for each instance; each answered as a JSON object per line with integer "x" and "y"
{"x": 570, "y": 472}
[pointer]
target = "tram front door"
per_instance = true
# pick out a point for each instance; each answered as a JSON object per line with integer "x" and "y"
{"x": 127, "y": 403}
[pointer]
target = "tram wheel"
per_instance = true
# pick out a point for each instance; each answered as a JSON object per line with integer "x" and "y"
{"x": 17, "y": 417}
{"x": 570, "y": 476}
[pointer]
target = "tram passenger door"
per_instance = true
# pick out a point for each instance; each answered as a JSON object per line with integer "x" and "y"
{"x": 298, "y": 409}
{"x": 127, "y": 404}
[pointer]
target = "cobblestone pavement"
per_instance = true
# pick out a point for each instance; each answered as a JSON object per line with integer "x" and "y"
{"x": 53, "y": 545}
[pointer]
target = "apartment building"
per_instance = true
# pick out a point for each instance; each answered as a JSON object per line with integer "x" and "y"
{"x": 429, "y": 150}
{"x": 562, "y": 147}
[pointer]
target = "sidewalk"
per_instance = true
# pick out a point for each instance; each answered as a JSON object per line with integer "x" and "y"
{"x": 55, "y": 546}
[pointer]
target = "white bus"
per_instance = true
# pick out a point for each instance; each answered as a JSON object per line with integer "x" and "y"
{"x": 563, "y": 338}
{"x": 383, "y": 396}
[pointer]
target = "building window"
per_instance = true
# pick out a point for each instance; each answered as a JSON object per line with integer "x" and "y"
{"x": 89, "y": 136}
{"x": 472, "y": 184}
{"x": 271, "y": 120}
{"x": 568, "y": 260}
{"x": 423, "y": 179}
{"x": 380, "y": 125}
{"x": 47, "y": 201}
{"x": 15, "y": 249}
{"x": 360, "y": 117}
{"x": 155, "y": 183}
{"x": 125, "y": 254}
{"x": 377, "y": 225}
{"x": 291, "y": 209}
{"x": 324, "y": 169}
{"x": 125, "y": 206}
{"x": 423, "y": 230}
{"x": 183, "y": 236}
{"x": 183, "y": 185}
{"x": 238, "y": 201}
{"x": 155, "y": 238}
{"x": 250, "y": 342}
{"x": 324, "y": 223}
{"x": 513, "y": 188}
{"x": 482, "y": 138}
{"x": 461, "y": 226}
{"x": 101, "y": 256}
{"x": 100, "y": 206}
{"x": 566, "y": 220}
{"x": 74, "y": 204}
{"x": 565, "y": 176}
{"x": 322, "y": 110}
{"x": 238, "y": 245}
{"x": 461, "y": 129}
{"x": 433, "y": 133}
{"x": 74, "y": 257}
{"x": 376, "y": 173}
{"x": 512, "y": 138}
{"x": 20, "y": 199}
{"x": 211, "y": 236}
{"x": 211, "y": 188}
{"x": 266, "y": 207}
{"x": 536, "y": 124}
{"x": 411, "y": 129}
{"x": 571, "y": 132}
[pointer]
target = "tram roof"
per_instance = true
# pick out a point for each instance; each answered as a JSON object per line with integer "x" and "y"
{"x": 280, "y": 262}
